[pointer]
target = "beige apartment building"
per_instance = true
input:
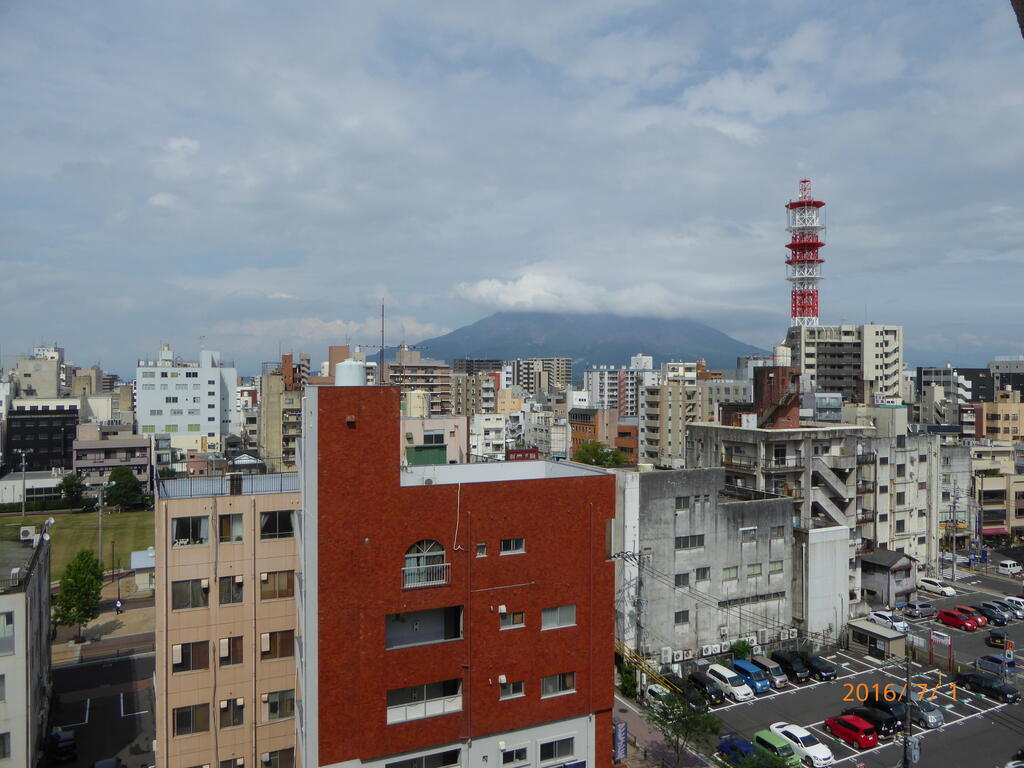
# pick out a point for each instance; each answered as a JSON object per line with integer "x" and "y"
{"x": 226, "y": 618}
{"x": 98, "y": 449}
{"x": 1001, "y": 420}
{"x": 279, "y": 419}
{"x": 411, "y": 372}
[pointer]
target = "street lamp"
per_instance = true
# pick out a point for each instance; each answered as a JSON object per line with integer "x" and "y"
{"x": 22, "y": 452}
{"x": 99, "y": 513}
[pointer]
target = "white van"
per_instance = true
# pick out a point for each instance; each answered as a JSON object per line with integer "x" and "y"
{"x": 1009, "y": 567}
{"x": 732, "y": 685}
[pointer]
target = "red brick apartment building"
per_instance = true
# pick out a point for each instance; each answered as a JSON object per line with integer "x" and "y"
{"x": 451, "y": 615}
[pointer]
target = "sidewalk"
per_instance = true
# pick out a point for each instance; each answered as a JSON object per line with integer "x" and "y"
{"x": 110, "y": 631}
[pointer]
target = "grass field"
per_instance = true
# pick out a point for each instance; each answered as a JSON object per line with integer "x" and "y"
{"x": 130, "y": 531}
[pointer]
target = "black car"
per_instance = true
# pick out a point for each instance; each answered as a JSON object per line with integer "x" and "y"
{"x": 885, "y": 724}
{"x": 897, "y": 709}
{"x": 818, "y": 667}
{"x": 994, "y": 617}
{"x": 691, "y": 695}
{"x": 62, "y": 745}
{"x": 996, "y": 638}
{"x": 707, "y": 687}
{"x": 988, "y": 685}
{"x": 792, "y": 665}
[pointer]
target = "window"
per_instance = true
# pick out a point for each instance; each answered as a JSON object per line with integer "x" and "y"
{"x": 418, "y": 701}
{"x": 156, "y": 412}
{"x": 901, "y": 498}
{"x": 702, "y": 574}
{"x": 280, "y": 704}
{"x": 191, "y": 593}
{"x": 277, "y": 645}
{"x": 189, "y": 657}
{"x": 6, "y": 633}
{"x": 511, "y": 690}
{"x": 5, "y": 745}
{"x": 434, "y": 625}
{"x": 883, "y": 489}
{"x": 3, "y": 687}
{"x": 173, "y": 399}
{"x": 778, "y": 531}
{"x": 682, "y": 617}
{"x": 682, "y": 579}
{"x": 230, "y": 651}
{"x": 433, "y": 437}
{"x": 775, "y": 566}
{"x": 512, "y": 619}
{"x": 193, "y": 719}
{"x": 277, "y": 584}
{"x": 901, "y": 470}
{"x": 901, "y": 526}
{"x": 148, "y": 387}
{"x": 559, "y": 616}
{"x": 556, "y": 685}
{"x": 481, "y": 549}
{"x": 682, "y": 502}
{"x": 232, "y": 712}
{"x": 425, "y": 564}
{"x": 731, "y": 572}
{"x": 513, "y": 546}
{"x": 753, "y": 570}
{"x": 436, "y": 760}
{"x": 230, "y": 589}
{"x": 748, "y": 535}
{"x": 554, "y": 750}
{"x": 276, "y": 524}
{"x": 230, "y": 527}
{"x": 149, "y": 374}
{"x": 514, "y": 756}
{"x": 694, "y": 541}
{"x": 229, "y": 763}
{"x": 189, "y": 531}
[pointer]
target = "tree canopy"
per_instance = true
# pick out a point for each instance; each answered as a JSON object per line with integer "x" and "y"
{"x": 78, "y": 601}
{"x": 599, "y": 454}
{"x": 71, "y": 490}
{"x": 125, "y": 490}
{"x": 681, "y": 726}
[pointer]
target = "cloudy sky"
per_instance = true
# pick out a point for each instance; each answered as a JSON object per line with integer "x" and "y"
{"x": 261, "y": 174}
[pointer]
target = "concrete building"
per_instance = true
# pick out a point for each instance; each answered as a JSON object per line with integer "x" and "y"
{"x": 715, "y": 392}
{"x": 39, "y": 486}
{"x": 1001, "y": 420}
{"x": 538, "y": 374}
{"x": 122, "y": 404}
{"x": 889, "y": 578}
{"x": 41, "y": 377}
{"x": 955, "y": 387}
{"x": 997, "y": 492}
{"x": 472, "y": 611}
{"x": 858, "y": 361}
{"x": 826, "y": 407}
{"x": 593, "y": 425}
{"x": 45, "y": 430}
{"x": 435, "y": 440}
{"x": 617, "y": 388}
{"x": 665, "y": 410}
{"x": 475, "y": 393}
{"x": 955, "y": 490}
{"x": 279, "y": 420}
{"x": 472, "y": 367}
{"x": 99, "y": 449}
{"x": 488, "y": 437}
{"x": 24, "y": 645}
{"x": 410, "y": 371}
{"x": 714, "y": 564}
{"x": 226, "y": 620}
{"x": 548, "y": 432}
{"x": 627, "y": 438}
{"x": 191, "y": 402}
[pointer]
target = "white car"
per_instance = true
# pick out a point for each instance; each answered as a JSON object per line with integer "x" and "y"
{"x": 806, "y": 745}
{"x": 928, "y": 584}
{"x": 888, "y": 620}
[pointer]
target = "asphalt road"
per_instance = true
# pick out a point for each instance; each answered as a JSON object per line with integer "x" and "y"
{"x": 109, "y": 705}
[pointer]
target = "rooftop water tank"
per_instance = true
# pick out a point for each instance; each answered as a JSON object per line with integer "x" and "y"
{"x": 350, "y": 373}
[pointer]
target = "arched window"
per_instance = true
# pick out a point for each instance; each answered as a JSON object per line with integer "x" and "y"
{"x": 425, "y": 565}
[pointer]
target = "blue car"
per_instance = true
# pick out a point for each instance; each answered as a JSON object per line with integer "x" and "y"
{"x": 735, "y": 749}
{"x": 752, "y": 675}
{"x": 997, "y": 664}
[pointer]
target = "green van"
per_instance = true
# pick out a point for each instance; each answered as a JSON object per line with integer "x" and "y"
{"x": 776, "y": 746}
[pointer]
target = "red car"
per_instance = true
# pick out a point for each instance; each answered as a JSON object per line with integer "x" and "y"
{"x": 955, "y": 619}
{"x": 855, "y": 731}
{"x": 972, "y": 614}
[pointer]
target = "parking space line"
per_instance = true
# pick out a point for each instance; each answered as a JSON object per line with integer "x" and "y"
{"x": 84, "y": 722}
{"x": 130, "y": 714}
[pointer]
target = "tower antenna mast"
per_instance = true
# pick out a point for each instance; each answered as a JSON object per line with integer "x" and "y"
{"x": 804, "y": 273}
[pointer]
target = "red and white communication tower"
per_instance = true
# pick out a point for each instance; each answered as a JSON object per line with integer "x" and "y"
{"x": 804, "y": 262}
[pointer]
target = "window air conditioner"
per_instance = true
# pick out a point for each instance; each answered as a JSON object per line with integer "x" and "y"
{"x": 204, "y": 583}
{"x": 223, "y": 703}
{"x": 240, "y": 762}
{"x": 502, "y": 609}
{"x": 762, "y": 635}
{"x": 265, "y": 698}
{"x": 264, "y": 576}
{"x": 265, "y": 642}
{"x": 502, "y": 679}
{"x": 265, "y": 758}
{"x": 238, "y": 580}
{"x": 176, "y": 654}
{"x": 239, "y": 702}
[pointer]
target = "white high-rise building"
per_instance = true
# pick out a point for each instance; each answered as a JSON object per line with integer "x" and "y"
{"x": 858, "y": 361}
{"x": 193, "y": 402}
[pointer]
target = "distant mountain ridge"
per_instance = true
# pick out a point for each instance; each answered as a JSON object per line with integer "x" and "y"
{"x": 593, "y": 339}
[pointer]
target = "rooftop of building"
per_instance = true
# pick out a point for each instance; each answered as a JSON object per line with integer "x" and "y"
{"x": 805, "y": 426}
{"x": 227, "y": 485}
{"x": 495, "y": 472}
{"x": 16, "y": 557}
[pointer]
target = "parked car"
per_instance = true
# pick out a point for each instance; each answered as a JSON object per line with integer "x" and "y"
{"x": 889, "y": 621}
{"x": 772, "y": 669}
{"x": 792, "y": 665}
{"x": 776, "y": 747}
{"x": 996, "y": 638}
{"x": 956, "y": 619}
{"x": 707, "y": 687}
{"x": 819, "y": 668}
{"x": 735, "y": 749}
{"x": 996, "y": 617}
{"x": 988, "y": 685}
{"x": 804, "y": 743}
{"x": 1016, "y": 610}
{"x": 997, "y": 664}
{"x": 63, "y": 747}
{"x": 1008, "y": 568}
{"x": 971, "y": 613}
{"x": 752, "y": 675}
{"x": 732, "y": 685}
{"x": 919, "y": 610}
{"x": 1016, "y": 602}
{"x": 853, "y": 730}
{"x": 1007, "y": 611}
{"x": 897, "y": 708}
{"x": 929, "y": 584}
{"x": 884, "y": 723}
{"x": 690, "y": 695}
{"x": 924, "y": 712}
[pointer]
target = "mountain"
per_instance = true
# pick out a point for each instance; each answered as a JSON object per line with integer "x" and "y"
{"x": 588, "y": 339}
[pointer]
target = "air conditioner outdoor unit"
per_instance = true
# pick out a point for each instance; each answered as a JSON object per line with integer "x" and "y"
{"x": 793, "y": 632}
{"x": 705, "y": 650}
{"x": 502, "y": 609}
{"x": 723, "y": 631}
{"x": 666, "y": 655}
{"x": 26, "y": 532}
{"x": 502, "y": 679}
{"x": 751, "y": 639}
{"x": 677, "y": 669}
{"x": 762, "y": 635}
{"x": 756, "y": 650}
{"x": 687, "y": 654}
{"x": 716, "y": 648}
{"x": 677, "y": 656}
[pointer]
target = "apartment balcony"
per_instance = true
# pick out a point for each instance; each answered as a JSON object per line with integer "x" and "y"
{"x": 420, "y": 709}
{"x": 416, "y": 576}
{"x": 787, "y": 464}
{"x": 733, "y": 460}
{"x": 866, "y": 486}
{"x": 866, "y": 458}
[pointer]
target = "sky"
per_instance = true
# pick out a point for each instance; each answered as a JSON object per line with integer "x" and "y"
{"x": 256, "y": 177}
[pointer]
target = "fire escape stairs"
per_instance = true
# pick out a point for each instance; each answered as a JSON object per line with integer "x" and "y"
{"x": 829, "y": 478}
{"x": 766, "y": 417}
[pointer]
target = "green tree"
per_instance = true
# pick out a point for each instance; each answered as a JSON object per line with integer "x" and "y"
{"x": 166, "y": 473}
{"x": 741, "y": 649}
{"x": 627, "y": 681}
{"x": 125, "y": 490}
{"x": 681, "y": 726}
{"x": 71, "y": 490}
{"x": 78, "y": 601}
{"x": 599, "y": 454}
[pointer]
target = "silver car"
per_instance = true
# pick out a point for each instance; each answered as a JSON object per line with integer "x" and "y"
{"x": 1001, "y": 608}
{"x": 919, "y": 610}
{"x": 925, "y": 714}
{"x": 1016, "y": 611}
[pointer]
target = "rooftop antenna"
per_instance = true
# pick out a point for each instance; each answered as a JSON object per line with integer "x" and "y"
{"x": 380, "y": 359}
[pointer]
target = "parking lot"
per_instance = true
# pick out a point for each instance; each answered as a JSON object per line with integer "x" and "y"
{"x": 977, "y": 733}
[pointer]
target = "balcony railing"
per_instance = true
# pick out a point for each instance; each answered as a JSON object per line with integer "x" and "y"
{"x": 733, "y": 460}
{"x": 420, "y": 709}
{"x": 789, "y": 462}
{"x": 415, "y": 576}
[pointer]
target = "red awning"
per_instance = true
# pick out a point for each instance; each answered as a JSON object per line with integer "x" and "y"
{"x": 994, "y": 531}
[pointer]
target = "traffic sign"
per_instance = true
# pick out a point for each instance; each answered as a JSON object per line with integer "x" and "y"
{"x": 1009, "y": 644}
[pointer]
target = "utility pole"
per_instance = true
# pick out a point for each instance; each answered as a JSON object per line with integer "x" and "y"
{"x": 956, "y": 495}
{"x": 908, "y": 724}
{"x": 22, "y": 452}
